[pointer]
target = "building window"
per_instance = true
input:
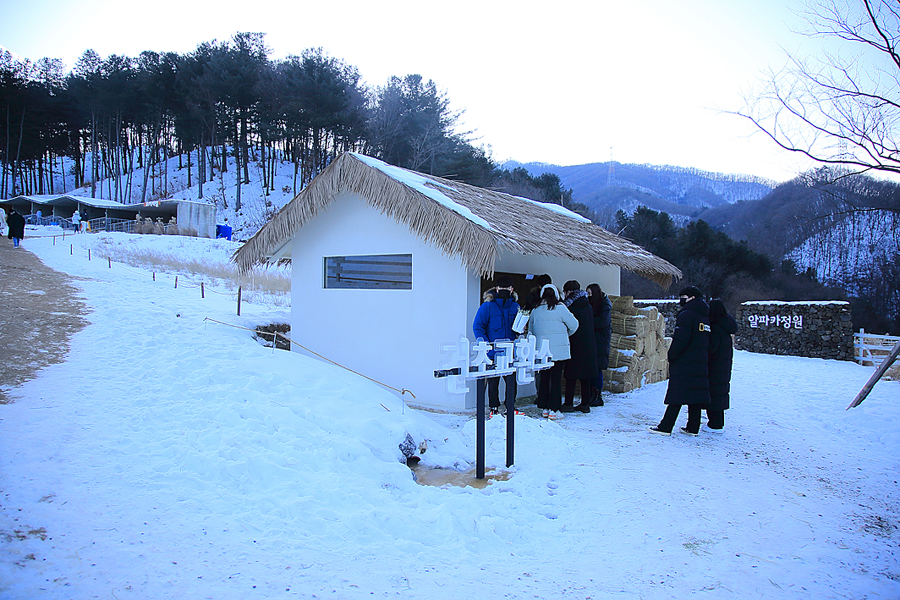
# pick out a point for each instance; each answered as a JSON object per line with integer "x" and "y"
{"x": 372, "y": 272}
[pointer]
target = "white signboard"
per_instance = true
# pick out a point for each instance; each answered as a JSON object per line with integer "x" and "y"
{"x": 468, "y": 361}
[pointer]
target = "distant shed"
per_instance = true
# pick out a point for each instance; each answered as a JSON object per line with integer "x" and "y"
{"x": 199, "y": 215}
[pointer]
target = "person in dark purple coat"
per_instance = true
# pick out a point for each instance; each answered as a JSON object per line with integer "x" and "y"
{"x": 688, "y": 364}
{"x": 582, "y": 366}
{"x": 721, "y": 354}
{"x": 602, "y": 308}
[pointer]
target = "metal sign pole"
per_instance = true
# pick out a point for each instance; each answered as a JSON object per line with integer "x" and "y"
{"x": 471, "y": 361}
{"x": 479, "y": 428}
{"x": 510, "y": 425}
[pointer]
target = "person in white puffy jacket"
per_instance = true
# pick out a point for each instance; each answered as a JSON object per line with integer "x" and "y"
{"x": 552, "y": 321}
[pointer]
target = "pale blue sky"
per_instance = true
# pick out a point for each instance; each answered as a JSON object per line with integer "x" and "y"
{"x": 558, "y": 82}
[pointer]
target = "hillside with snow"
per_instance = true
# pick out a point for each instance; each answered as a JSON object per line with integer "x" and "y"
{"x": 172, "y": 455}
{"x": 857, "y": 245}
{"x": 176, "y": 178}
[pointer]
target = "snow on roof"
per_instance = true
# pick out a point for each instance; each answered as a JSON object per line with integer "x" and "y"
{"x": 423, "y": 186}
{"x": 558, "y": 209}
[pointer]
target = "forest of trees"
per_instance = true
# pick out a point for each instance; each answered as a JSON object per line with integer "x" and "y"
{"x": 222, "y": 106}
{"x": 736, "y": 273}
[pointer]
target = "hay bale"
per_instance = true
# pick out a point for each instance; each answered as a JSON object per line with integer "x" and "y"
{"x": 631, "y": 325}
{"x": 621, "y": 304}
{"x": 620, "y": 358}
{"x": 627, "y": 342}
{"x": 638, "y": 346}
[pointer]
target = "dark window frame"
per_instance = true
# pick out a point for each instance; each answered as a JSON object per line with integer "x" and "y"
{"x": 368, "y": 272}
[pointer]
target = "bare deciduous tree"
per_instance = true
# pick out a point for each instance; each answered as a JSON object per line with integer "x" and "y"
{"x": 841, "y": 107}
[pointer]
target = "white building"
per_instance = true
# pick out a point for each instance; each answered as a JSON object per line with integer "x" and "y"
{"x": 388, "y": 265}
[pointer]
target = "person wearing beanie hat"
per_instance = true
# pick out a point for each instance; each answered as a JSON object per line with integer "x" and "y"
{"x": 688, "y": 364}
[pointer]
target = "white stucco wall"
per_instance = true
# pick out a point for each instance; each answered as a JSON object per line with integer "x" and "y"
{"x": 395, "y": 336}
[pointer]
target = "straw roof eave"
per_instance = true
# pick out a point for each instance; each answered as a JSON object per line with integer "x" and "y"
{"x": 511, "y": 223}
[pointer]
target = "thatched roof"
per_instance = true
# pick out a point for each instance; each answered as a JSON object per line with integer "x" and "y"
{"x": 462, "y": 220}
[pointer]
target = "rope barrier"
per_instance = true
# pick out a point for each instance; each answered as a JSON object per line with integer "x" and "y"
{"x": 313, "y": 352}
{"x": 202, "y": 287}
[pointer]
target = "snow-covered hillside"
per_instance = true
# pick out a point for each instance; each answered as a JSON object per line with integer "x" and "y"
{"x": 852, "y": 249}
{"x": 172, "y": 456}
{"x": 169, "y": 179}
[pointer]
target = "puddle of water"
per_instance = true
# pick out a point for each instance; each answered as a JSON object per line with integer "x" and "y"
{"x": 444, "y": 477}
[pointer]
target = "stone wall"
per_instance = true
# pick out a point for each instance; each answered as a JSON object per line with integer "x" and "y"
{"x": 811, "y": 329}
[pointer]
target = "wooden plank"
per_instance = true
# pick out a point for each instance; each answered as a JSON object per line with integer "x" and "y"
{"x": 879, "y": 373}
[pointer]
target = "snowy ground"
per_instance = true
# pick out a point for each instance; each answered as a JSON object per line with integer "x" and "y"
{"x": 173, "y": 457}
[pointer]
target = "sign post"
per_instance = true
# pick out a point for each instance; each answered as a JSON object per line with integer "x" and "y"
{"x": 471, "y": 361}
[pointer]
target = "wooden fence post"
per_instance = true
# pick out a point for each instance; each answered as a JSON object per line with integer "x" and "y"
{"x": 239, "y": 301}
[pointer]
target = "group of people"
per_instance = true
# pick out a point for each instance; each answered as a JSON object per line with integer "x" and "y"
{"x": 700, "y": 360}
{"x": 577, "y": 325}
{"x": 14, "y": 223}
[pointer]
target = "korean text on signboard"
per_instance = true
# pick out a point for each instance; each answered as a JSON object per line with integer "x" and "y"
{"x": 786, "y": 321}
{"x": 467, "y": 360}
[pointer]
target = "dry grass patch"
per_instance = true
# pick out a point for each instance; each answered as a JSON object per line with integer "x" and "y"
{"x": 267, "y": 286}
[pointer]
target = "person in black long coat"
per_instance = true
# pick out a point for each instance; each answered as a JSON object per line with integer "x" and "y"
{"x": 602, "y": 307}
{"x": 721, "y": 354}
{"x": 16, "y": 224}
{"x": 688, "y": 364}
{"x": 582, "y": 366}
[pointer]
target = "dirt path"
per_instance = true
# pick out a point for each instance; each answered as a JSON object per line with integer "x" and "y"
{"x": 39, "y": 313}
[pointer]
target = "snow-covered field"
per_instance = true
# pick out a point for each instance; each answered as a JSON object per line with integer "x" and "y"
{"x": 174, "y": 457}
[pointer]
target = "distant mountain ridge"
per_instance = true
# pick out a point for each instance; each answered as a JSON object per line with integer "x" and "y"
{"x": 681, "y": 192}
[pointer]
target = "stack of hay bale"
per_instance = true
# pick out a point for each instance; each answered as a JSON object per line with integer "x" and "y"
{"x": 638, "y": 347}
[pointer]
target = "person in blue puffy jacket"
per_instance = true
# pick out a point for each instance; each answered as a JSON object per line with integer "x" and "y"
{"x": 493, "y": 322}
